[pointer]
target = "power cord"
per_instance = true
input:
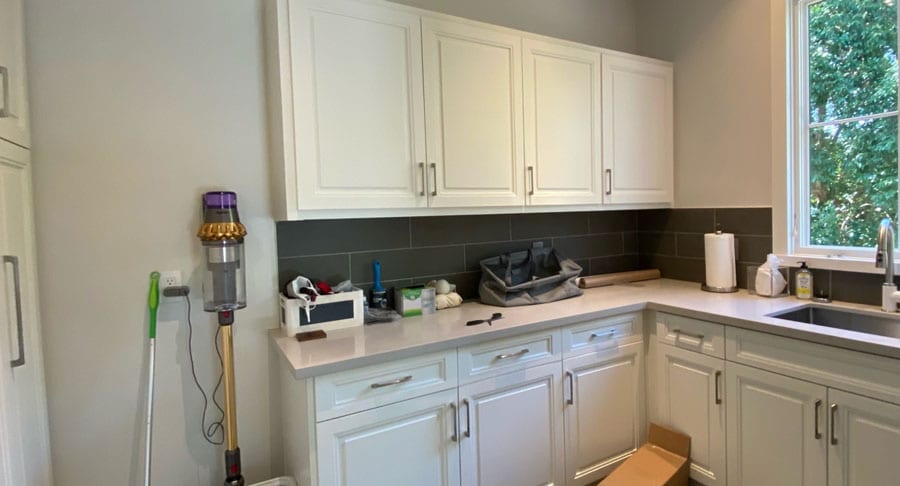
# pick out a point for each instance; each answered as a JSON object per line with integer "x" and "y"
{"x": 217, "y": 427}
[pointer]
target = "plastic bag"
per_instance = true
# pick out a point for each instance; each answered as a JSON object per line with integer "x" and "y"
{"x": 769, "y": 280}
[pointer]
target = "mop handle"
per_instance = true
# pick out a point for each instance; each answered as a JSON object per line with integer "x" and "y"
{"x": 153, "y": 302}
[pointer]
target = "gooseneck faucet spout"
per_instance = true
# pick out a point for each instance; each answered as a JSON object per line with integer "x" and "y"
{"x": 884, "y": 258}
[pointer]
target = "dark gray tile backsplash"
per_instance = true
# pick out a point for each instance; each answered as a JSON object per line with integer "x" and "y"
{"x": 415, "y": 250}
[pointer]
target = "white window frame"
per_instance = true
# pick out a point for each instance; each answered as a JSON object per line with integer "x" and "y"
{"x": 790, "y": 171}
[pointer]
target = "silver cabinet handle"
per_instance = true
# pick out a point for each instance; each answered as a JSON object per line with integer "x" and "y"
{"x": 392, "y": 382}
{"x": 679, "y": 332}
{"x": 607, "y": 334}
{"x": 4, "y": 74}
{"x": 455, "y": 436}
{"x": 571, "y": 377}
{"x": 521, "y": 352}
{"x": 834, "y": 408}
{"x": 718, "y": 396}
{"x": 531, "y": 178}
{"x": 608, "y": 181}
{"x": 818, "y": 406}
{"x": 468, "y": 432}
{"x": 424, "y": 179}
{"x": 434, "y": 174}
{"x": 17, "y": 289}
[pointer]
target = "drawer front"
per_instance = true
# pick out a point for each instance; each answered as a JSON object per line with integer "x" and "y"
{"x": 693, "y": 334}
{"x": 505, "y": 355}
{"x": 601, "y": 334}
{"x": 351, "y": 391}
{"x": 865, "y": 374}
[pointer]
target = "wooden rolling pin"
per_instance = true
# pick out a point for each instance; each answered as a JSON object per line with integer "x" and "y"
{"x": 616, "y": 278}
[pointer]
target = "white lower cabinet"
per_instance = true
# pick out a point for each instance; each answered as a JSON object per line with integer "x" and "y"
{"x": 408, "y": 443}
{"x": 691, "y": 400}
{"x": 776, "y": 429}
{"x": 511, "y": 429}
{"x": 864, "y": 438}
{"x": 604, "y": 411}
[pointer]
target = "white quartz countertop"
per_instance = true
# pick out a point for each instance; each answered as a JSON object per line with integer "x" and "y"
{"x": 377, "y": 343}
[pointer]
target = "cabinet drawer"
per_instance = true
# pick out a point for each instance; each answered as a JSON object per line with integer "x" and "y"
{"x": 700, "y": 336}
{"x": 601, "y": 334}
{"x": 505, "y": 355}
{"x": 360, "y": 389}
{"x": 865, "y": 374}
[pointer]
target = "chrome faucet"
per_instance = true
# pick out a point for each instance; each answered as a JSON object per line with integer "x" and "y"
{"x": 884, "y": 258}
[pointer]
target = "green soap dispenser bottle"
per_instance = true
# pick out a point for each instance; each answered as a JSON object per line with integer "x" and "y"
{"x": 804, "y": 281}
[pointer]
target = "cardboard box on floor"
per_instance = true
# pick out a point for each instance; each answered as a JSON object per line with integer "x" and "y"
{"x": 662, "y": 461}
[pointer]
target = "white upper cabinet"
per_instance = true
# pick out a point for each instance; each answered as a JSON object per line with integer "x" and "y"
{"x": 379, "y": 109}
{"x": 354, "y": 82}
{"x": 562, "y": 123}
{"x": 637, "y": 130}
{"x": 473, "y": 106}
{"x": 13, "y": 100}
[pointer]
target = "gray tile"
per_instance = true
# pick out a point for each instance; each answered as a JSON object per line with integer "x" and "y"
{"x": 548, "y": 224}
{"x": 862, "y": 288}
{"x": 630, "y": 241}
{"x": 477, "y": 252}
{"x": 753, "y": 249}
{"x": 690, "y": 269}
{"x": 590, "y": 246}
{"x": 301, "y": 238}
{"x": 584, "y": 263}
{"x": 449, "y": 230}
{"x": 656, "y": 243}
{"x": 409, "y": 263}
{"x": 690, "y": 245}
{"x": 612, "y": 221}
{"x": 745, "y": 221}
{"x": 330, "y": 268}
{"x": 677, "y": 220}
{"x": 613, "y": 264}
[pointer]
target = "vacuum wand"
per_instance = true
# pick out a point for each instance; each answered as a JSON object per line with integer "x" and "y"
{"x": 224, "y": 291}
{"x": 152, "y": 305}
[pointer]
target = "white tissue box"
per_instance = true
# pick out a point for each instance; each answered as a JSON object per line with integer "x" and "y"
{"x": 333, "y": 311}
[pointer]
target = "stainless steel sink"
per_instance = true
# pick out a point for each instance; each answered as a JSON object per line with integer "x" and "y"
{"x": 869, "y": 323}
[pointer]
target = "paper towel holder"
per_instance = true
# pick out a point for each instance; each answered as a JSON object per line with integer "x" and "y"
{"x": 721, "y": 290}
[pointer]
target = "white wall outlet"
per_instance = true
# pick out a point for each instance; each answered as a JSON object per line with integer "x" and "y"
{"x": 169, "y": 278}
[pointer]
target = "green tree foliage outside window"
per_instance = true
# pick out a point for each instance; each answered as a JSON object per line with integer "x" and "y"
{"x": 852, "y": 164}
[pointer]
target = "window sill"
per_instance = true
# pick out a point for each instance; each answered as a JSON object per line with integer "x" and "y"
{"x": 839, "y": 263}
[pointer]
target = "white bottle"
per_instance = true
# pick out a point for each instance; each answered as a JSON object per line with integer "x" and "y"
{"x": 804, "y": 280}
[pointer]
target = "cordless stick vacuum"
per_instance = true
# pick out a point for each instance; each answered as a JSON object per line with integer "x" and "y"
{"x": 152, "y": 305}
{"x": 224, "y": 291}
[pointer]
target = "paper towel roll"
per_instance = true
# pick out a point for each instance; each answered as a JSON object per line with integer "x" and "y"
{"x": 720, "y": 269}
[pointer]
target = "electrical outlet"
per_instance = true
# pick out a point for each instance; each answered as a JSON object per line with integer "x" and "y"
{"x": 169, "y": 278}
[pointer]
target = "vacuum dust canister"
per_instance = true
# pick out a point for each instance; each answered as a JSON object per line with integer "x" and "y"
{"x": 222, "y": 236}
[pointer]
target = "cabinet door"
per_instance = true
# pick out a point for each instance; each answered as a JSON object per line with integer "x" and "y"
{"x": 359, "y": 136}
{"x": 24, "y": 436}
{"x": 776, "y": 429}
{"x": 511, "y": 429}
{"x": 13, "y": 100}
{"x": 691, "y": 399}
{"x": 603, "y": 412}
{"x": 473, "y": 105}
{"x": 408, "y": 443}
{"x": 562, "y": 123}
{"x": 865, "y": 441}
{"x": 637, "y": 130}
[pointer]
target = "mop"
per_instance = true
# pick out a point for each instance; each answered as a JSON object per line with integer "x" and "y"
{"x": 153, "y": 305}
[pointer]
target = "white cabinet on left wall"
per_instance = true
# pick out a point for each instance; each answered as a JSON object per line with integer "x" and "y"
{"x": 13, "y": 99}
{"x": 351, "y": 105}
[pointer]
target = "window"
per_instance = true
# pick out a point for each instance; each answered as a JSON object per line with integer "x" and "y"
{"x": 845, "y": 176}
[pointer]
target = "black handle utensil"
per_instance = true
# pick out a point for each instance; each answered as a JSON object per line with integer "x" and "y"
{"x": 494, "y": 317}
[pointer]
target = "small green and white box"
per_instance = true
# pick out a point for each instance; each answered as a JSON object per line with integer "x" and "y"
{"x": 414, "y": 301}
